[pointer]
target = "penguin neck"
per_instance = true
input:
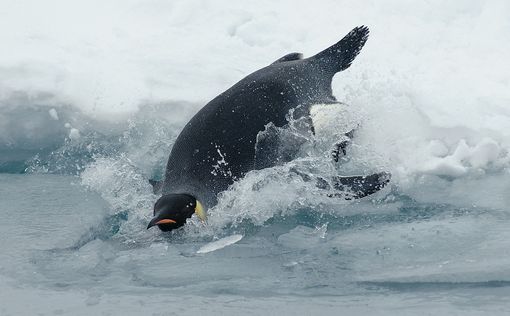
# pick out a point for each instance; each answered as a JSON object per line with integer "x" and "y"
{"x": 206, "y": 198}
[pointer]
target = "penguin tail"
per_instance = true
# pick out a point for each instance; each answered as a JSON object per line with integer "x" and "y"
{"x": 340, "y": 56}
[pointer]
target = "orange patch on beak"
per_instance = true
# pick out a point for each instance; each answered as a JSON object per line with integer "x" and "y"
{"x": 166, "y": 221}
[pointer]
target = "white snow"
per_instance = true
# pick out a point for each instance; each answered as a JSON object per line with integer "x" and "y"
{"x": 430, "y": 90}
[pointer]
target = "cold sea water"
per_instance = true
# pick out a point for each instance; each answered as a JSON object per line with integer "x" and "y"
{"x": 89, "y": 113}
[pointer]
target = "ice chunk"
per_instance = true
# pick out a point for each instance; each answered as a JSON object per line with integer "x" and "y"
{"x": 437, "y": 148}
{"x": 484, "y": 152}
{"x": 464, "y": 160}
{"x": 219, "y": 244}
{"x": 53, "y": 113}
{"x": 74, "y": 134}
{"x": 462, "y": 151}
{"x": 448, "y": 166}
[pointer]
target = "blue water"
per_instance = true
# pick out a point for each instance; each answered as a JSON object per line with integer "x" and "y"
{"x": 74, "y": 242}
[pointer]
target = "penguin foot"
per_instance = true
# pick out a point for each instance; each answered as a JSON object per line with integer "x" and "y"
{"x": 357, "y": 187}
{"x": 340, "y": 148}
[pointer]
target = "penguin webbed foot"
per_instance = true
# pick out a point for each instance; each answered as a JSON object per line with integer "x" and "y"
{"x": 349, "y": 187}
{"x": 356, "y": 187}
{"x": 340, "y": 148}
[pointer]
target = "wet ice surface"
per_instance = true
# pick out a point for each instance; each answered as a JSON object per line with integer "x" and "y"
{"x": 61, "y": 253}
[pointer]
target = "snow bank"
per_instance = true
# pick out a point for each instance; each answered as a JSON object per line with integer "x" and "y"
{"x": 430, "y": 88}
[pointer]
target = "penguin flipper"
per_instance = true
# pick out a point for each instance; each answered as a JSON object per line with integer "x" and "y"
{"x": 157, "y": 185}
{"x": 340, "y": 56}
{"x": 266, "y": 147}
{"x": 276, "y": 145}
{"x": 289, "y": 57}
{"x": 357, "y": 187}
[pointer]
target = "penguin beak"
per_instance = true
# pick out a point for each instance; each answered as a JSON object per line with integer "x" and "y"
{"x": 156, "y": 221}
{"x": 166, "y": 221}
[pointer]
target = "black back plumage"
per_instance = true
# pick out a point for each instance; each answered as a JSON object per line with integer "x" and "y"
{"x": 217, "y": 146}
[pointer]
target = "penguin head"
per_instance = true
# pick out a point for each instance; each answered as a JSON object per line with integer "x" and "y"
{"x": 172, "y": 210}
